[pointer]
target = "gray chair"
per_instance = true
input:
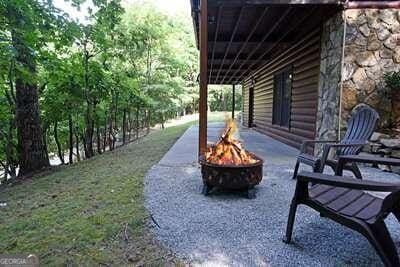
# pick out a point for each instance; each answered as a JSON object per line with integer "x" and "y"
{"x": 360, "y": 127}
{"x": 348, "y": 201}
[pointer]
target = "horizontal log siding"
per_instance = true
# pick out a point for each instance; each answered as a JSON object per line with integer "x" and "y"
{"x": 304, "y": 57}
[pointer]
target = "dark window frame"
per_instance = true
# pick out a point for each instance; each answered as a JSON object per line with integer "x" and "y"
{"x": 282, "y": 97}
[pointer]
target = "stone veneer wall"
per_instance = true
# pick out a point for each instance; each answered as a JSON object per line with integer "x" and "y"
{"x": 372, "y": 48}
{"x": 330, "y": 79}
{"x": 353, "y": 74}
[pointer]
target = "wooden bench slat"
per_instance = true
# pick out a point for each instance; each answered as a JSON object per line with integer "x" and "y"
{"x": 331, "y": 195}
{"x": 371, "y": 210}
{"x": 319, "y": 189}
{"x": 345, "y": 200}
{"x": 357, "y": 205}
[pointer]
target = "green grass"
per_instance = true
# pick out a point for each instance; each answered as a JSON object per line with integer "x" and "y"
{"x": 89, "y": 213}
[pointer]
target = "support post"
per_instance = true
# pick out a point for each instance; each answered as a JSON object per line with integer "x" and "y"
{"x": 203, "y": 78}
{"x": 233, "y": 101}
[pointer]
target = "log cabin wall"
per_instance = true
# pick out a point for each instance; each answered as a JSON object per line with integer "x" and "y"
{"x": 304, "y": 59}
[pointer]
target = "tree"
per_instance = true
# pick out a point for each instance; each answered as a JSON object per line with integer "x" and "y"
{"x": 22, "y": 28}
{"x": 97, "y": 39}
{"x": 29, "y": 27}
{"x": 98, "y": 85}
{"x": 220, "y": 98}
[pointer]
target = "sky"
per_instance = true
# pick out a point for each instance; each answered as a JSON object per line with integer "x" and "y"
{"x": 171, "y": 7}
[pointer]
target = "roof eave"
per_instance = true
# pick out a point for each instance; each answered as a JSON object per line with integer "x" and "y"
{"x": 371, "y": 4}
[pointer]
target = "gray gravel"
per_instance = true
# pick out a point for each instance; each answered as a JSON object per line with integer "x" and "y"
{"x": 230, "y": 230}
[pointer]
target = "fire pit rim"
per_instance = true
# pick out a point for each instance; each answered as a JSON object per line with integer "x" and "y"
{"x": 259, "y": 162}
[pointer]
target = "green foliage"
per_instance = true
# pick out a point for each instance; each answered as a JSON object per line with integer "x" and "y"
{"x": 123, "y": 71}
{"x": 220, "y": 98}
{"x": 392, "y": 80}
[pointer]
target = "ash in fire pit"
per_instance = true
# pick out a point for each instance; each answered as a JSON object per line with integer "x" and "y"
{"x": 227, "y": 165}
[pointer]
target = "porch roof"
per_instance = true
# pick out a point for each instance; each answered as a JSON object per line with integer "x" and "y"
{"x": 243, "y": 35}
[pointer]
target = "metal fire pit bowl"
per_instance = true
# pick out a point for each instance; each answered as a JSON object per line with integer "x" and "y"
{"x": 231, "y": 177}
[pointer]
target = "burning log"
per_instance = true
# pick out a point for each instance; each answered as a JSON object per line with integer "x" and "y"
{"x": 227, "y": 165}
{"x": 228, "y": 150}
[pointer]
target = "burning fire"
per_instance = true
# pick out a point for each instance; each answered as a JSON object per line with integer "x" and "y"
{"x": 228, "y": 150}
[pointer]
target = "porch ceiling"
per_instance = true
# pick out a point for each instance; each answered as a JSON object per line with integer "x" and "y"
{"x": 244, "y": 35}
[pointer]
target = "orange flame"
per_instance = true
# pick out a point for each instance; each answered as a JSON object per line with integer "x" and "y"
{"x": 228, "y": 150}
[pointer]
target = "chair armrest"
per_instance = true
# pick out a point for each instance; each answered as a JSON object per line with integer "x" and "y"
{"x": 343, "y": 160}
{"x": 347, "y": 182}
{"x": 370, "y": 159}
{"x": 327, "y": 148}
{"x": 307, "y": 142}
{"x": 338, "y": 145}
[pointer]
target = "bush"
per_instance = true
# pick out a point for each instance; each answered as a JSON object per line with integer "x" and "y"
{"x": 392, "y": 80}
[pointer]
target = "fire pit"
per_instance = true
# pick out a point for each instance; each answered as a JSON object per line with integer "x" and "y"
{"x": 227, "y": 165}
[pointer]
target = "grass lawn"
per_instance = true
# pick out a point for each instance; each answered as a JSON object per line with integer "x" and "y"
{"x": 90, "y": 213}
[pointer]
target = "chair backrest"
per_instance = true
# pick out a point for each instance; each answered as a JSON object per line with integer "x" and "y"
{"x": 360, "y": 127}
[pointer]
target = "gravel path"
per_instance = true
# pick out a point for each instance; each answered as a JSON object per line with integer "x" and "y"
{"x": 230, "y": 230}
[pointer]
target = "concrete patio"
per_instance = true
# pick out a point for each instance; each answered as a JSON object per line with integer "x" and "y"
{"x": 228, "y": 229}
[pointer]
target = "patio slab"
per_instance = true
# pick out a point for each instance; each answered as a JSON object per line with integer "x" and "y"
{"x": 230, "y": 230}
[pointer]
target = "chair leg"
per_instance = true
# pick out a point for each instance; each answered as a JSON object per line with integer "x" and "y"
{"x": 296, "y": 169}
{"x": 289, "y": 227}
{"x": 318, "y": 167}
{"x": 356, "y": 171}
{"x": 381, "y": 240}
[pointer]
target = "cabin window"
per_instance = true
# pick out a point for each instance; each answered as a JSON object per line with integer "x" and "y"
{"x": 282, "y": 98}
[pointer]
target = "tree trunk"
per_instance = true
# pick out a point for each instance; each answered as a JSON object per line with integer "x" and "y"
{"x": 111, "y": 140}
{"x": 148, "y": 62}
{"x": 71, "y": 139}
{"x": 5, "y": 168}
{"x": 148, "y": 118}
{"x": 124, "y": 127}
{"x": 45, "y": 128}
{"x": 116, "y": 112}
{"x": 78, "y": 154}
{"x": 88, "y": 140}
{"x": 93, "y": 131}
{"x": 31, "y": 150}
{"x": 105, "y": 133}
{"x": 129, "y": 125}
{"x": 98, "y": 139}
{"x": 84, "y": 145}
{"x": 59, "y": 149}
{"x": 137, "y": 123}
{"x": 89, "y": 131}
